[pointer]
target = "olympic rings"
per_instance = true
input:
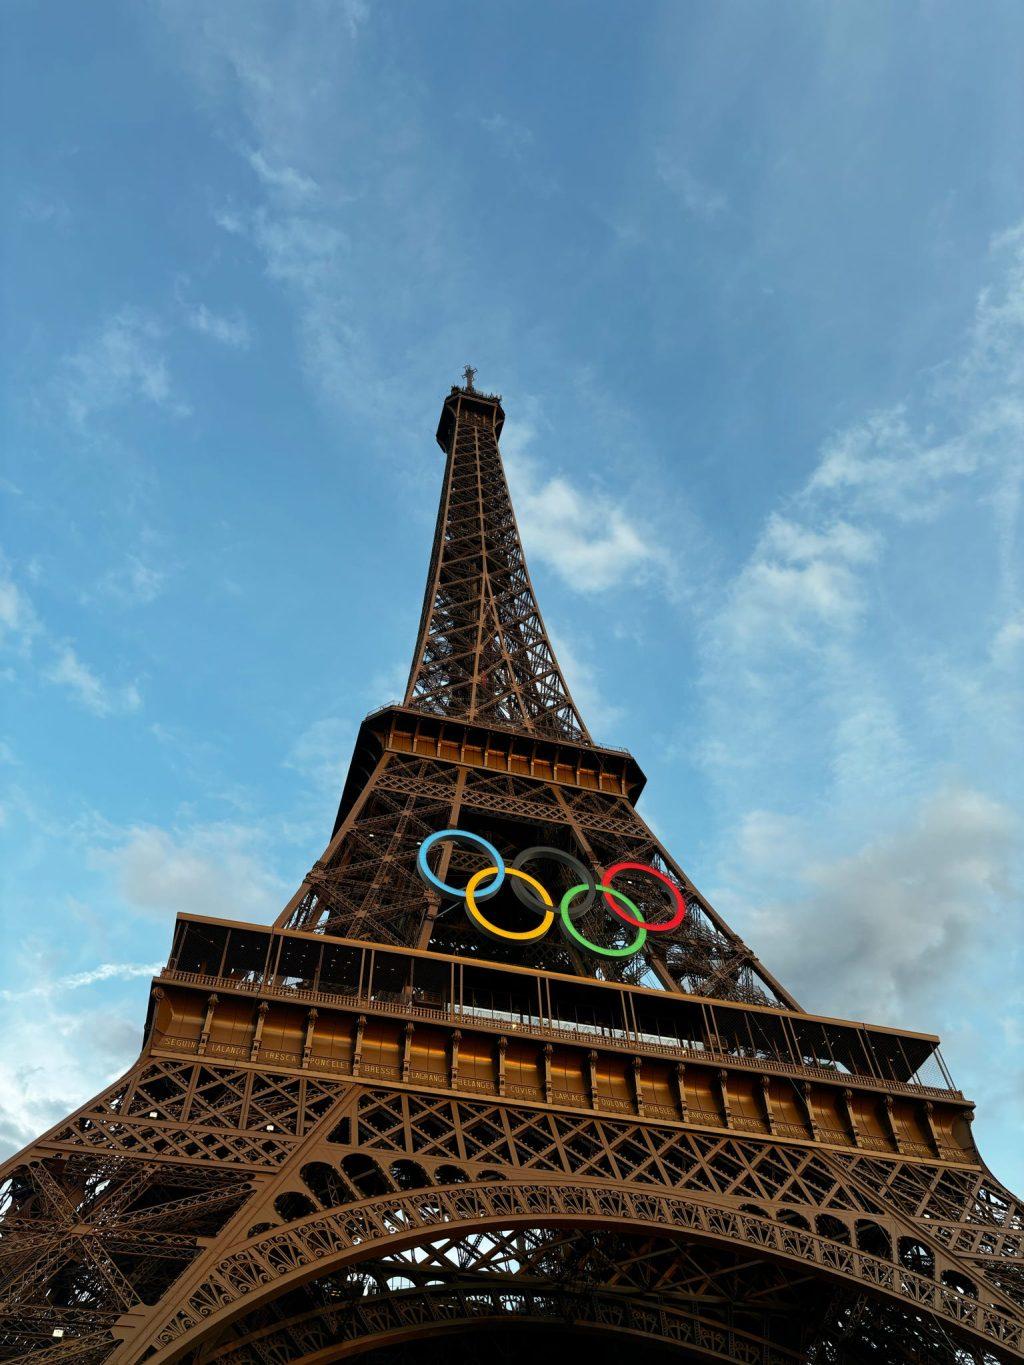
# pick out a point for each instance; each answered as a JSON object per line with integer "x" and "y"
{"x": 556, "y": 855}
{"x": 492, "y": 930}
{"x": 534, "y": 897}
{"x": 570, "y": 930}
{"x": 677, "y": 896}
{"x": 457, "y": 891}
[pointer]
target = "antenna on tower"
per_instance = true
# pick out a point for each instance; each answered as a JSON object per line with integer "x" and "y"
{"x": 469, "y": 374}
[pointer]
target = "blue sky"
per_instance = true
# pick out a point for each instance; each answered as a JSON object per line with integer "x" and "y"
{"x": 751, "y": 279}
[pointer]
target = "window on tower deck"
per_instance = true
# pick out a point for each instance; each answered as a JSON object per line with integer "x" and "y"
{"x": 391, "y": 976}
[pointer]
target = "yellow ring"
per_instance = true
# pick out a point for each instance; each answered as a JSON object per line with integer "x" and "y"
{"x": 485, "y": 924}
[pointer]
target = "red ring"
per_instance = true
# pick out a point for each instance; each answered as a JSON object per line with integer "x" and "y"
{"x": 677, "y": 895}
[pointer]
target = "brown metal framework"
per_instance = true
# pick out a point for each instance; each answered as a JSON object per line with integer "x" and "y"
{"x": 366, "y": 1130}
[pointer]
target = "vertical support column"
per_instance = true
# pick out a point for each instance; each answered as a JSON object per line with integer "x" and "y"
{"x": 636, "y": 1066}
{"x": 592, "y": 1078}
{"x": 807, "y": 1098}
{"x": 766, "y": 1103}
{"x": 453, "y": 1059}
{"x": 262, "y": 1010}
{"x": 357, "y": 1051}
{"x": 307, "y": 1042}
{"x": 546, "y": 1051}
{"x": 850, "y": 1116}
{"x": 679, "y": 1075}
{"x": 502, "y": 1049}
{"x": 723, "y": 1096}
{"x": 211, "y": 1004}
{"x": 890, "y": 1123}
{"x": 929, "y": 1123}
{"x": 407, "y": 1033}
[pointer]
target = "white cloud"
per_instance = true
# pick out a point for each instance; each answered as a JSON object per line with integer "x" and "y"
{"x": 208, "y": 870}
{"x": 809, "y": 645}
{"x": 301, "y": 251}
{"x": 229, "y": 220}
{"x": 73, "y": 981}
{"x": 587, "y": 539}
{"x": 1008, "y": 641}
{"x": 96, "y": 696}
{"x": 285, "y": 179}
{"x": 134, "y": 583}
{"x": 18, "y": 620}
{"x": 698, "y": 198}
{"x": 86, "y": 1047}
{"x": 349, "y": 207}
{"x": 798, "y": 582}
{"x": 122, "y": 363}
{"x": 600, "y": 716}
{"x": 886, "y": 932}
{"x": 322, "y": 752}
{"x": 233, "y": 331}
{"x": 972, "y": 417}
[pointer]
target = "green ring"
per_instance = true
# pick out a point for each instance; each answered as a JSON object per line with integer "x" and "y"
{"x": 570, "y": 930}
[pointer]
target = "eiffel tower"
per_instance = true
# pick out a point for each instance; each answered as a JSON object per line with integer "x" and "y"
{"x": 499, "y": 1065}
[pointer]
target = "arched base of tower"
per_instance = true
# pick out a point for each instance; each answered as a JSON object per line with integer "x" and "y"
{"x": 556, "y": 1293}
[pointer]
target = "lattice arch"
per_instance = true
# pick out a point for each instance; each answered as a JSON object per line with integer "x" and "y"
{"x": 277, "y": 1262}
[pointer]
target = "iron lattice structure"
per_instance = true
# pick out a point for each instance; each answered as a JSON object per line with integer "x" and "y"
{"x": 367, "y": 1130}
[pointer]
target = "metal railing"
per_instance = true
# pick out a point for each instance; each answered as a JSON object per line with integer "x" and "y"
{"x": 529, "y": 1025}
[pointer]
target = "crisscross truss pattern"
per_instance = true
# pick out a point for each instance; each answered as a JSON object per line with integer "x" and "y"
{"x": 366, "y": 886}
{"x": 726, "y": 1305}
{"x": 483, "y": 652}
{"x": 273, "y": 1262}
{"x": 376, "y": 1215}
{"x": 672, "y": 1293}
{"x": 88, "y": 1239}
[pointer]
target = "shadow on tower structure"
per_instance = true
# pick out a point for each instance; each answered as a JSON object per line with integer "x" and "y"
{"x": 499, "y": 1065}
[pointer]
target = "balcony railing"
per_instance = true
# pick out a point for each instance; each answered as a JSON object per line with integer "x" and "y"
{"x": 456, "y": 1015}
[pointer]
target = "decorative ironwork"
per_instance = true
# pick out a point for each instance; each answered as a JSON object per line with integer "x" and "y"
{"x": 367, "y": 1130}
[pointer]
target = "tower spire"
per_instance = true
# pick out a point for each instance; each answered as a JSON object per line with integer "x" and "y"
{"x": 483, "y": 652}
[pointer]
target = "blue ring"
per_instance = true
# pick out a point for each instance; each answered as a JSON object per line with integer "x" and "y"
{"x": 459, "y": 891}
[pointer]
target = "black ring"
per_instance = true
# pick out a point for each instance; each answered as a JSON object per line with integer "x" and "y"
{"x": 528, "y": 897}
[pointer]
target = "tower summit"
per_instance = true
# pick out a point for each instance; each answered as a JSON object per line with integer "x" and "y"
{"x": 499, "y": 1065}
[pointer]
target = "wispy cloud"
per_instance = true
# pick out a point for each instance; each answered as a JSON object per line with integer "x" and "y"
{"x": 232, "y": 331}
{"x": 321, "y": 753}
{"x": 44, "y": 208}
{"x": 861, "y": 660}
{"x": 37, "y": 1088}
{"x": 699, "y": 199}
{"x": 74, "y": 981}
{"x": 18, "y": 619}
{"x": 800, "y": 581}
{"x": 285, "y": 179}
{"x": 122, "y": 362}
{"x": 133, "y": 583}
{"x": 69, "y": 671}
{"x": 786, "y": 642}
{"x": 215, "y": 869}
{"x": 344, "y": 213}
{"x": 583, "y": 679}
{"x": 587, "y": 538}
{"x": 885, "y": 932}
